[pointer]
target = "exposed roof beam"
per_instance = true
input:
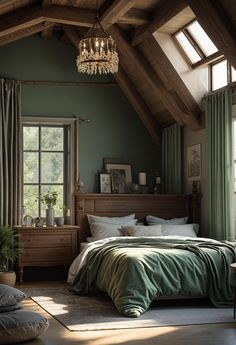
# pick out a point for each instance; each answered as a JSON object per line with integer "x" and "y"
{"x": 147, "y": 74}
{"x": 47, "y": 32}
{"x": 217, "y": 25}
{"x": 134, "y": 17}
{"x": 72, "y": 35}
{"x": 32, "y": 15}
{"x": 115, "y": 10}
{"x": 70, "y": 15}
{"x": 46, "y": 3}
{"x": 20, "y": 19}
{"x": 173, "y": 82}
{"x": 166, "y": 11}
{"x": 139, "y": 105}
{"x": 24, "y": 33}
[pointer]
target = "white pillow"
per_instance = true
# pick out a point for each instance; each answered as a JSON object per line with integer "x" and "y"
{"x": 142, "y": 230}
{"x": 152, "y": 220}
{"x": 103, "y": 230}
{"x": 188, "y": 230}
{"x": 109, "y": 220}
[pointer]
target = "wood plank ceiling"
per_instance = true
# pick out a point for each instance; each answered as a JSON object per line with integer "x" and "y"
{"x": 158, "y": 98}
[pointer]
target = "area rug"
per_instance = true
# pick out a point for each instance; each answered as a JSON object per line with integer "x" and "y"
{"x": 97, "y": 312}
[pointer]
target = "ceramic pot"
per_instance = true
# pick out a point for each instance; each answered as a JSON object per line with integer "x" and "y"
{"x": 50, "y": 216}
{"x": 59, "y": 221}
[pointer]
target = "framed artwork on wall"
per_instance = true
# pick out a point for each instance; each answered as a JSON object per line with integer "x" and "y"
{"x": 194, "y": 162}
{"x": 105, "y": 183}
{"x": 120, "y": 175}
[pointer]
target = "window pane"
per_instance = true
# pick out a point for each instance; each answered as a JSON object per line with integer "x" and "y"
{"x": 52, "y": 138}
{"x": 235, "y": 176}
{"x": 31, "y": 138}
{"x": 203, "y": 40}
{"x": 188, "y": 47}
{"x": 219, "y": 75}
{"x": 30, "y": 200}
{"x": 52, "y": 167}
{"x": 31, "y": 167}
{"x": 233, "y": 74}
{"x": 234, "y": 136}
{"x": 58, "y": 208}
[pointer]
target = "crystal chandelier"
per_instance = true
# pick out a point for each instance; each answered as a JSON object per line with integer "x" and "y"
{"x": 97, "y": 52}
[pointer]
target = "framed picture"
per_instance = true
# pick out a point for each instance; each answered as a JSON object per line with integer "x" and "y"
{"x": 194, "y": 162}
{"x": 112, "y": 160}
{"x": 121, "y": 176}
{"x": 105, "y": 182}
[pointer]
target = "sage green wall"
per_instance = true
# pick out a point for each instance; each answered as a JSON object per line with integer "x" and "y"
{"x": 114, "y": 129}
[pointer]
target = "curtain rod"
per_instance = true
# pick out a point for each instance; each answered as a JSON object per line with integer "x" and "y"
{"x": 67, "y": 83}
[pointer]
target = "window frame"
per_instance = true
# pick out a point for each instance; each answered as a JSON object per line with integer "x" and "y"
{"x": 72, "y": 146}
{"x": 229, "y": 73}
{"x": 204, "y": 58}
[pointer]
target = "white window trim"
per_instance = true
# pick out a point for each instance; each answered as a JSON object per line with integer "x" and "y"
{"x": 74, "y": 161}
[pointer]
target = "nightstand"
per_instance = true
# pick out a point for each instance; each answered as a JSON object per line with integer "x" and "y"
{"x": 233, "y": 283}
{"x": 46, "y": 246}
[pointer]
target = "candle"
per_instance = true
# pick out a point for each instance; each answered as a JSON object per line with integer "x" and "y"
{"x": 158, "y": 180}
{"x": 142, "y": 177}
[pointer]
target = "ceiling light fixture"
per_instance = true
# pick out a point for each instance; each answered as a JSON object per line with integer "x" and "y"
{"x": 97, "y": 52}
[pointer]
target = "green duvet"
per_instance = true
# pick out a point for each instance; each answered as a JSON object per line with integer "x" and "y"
{"x": 136, "y": 271}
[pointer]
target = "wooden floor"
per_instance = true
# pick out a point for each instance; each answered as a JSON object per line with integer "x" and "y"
{"x": 213, "y": 334}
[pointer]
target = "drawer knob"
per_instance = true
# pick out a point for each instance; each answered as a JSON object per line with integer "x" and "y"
{"x": 62, "y": 239}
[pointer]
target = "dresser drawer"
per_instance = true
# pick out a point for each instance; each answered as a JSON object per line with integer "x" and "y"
{"x": 46, "y": 255}
{"x": 41, "y": 240}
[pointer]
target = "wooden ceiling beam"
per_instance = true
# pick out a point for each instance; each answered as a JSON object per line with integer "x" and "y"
{"x": 70, "y": 15}
{"x": 114, "y": 11}
{"x": 134, "y": 17}
{"x": 20, "y": 19}
{"x": 31, "y": 15}
{"x": 166, "y": 11}
{"x": 217, "y": 25}
{"x": 147, "y": 74}
{"x": 72, "y": 34}
{"x": 139, "y": 105}
{"x": 192, "y": 113}
{"x": 28, "y": 31}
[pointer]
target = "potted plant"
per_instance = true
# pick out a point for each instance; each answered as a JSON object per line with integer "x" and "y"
{"x": 9, "y": 251}
{"x": 49, "y": 199}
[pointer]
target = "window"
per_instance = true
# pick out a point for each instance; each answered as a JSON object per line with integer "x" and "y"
{"x": 222, "y": 73}
{"x": 196, "y": 44}
{"x": 47, "y": 164}
{"x": 234, "y": 150}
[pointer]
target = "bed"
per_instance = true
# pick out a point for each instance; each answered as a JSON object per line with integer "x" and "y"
{"x": 135, "y": 270}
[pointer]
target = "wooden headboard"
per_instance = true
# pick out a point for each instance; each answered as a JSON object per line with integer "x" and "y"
{"x": 115, "y": 205}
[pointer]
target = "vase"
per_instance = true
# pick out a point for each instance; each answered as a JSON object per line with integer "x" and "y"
{"x": 50, "y": 216}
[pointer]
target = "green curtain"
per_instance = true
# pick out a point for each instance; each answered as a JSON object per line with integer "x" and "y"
{"x": 172, "y": 160}
{"x": 220, "y": 158}
{"x": 10, "y": 186}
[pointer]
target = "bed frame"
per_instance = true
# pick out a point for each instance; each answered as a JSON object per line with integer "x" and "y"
{"x": 115, "y": 205}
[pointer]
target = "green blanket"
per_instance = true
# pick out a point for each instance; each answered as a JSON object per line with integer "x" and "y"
{"x": 133, "y": 273}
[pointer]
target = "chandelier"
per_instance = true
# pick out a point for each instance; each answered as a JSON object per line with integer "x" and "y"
{"x": 97, "y": 52}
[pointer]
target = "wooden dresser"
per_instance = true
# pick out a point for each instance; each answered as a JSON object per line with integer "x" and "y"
{"x": 47, "y": 246}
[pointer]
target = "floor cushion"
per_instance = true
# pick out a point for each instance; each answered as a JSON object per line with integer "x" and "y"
{"x": 20, "y": 325}
{"x": 10, "y": 297}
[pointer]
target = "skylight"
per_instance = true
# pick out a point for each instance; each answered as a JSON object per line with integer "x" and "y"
{"x": 202, "y": 39}
{"x": 195, "y": 43}
{"x": 188, "y": 47}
